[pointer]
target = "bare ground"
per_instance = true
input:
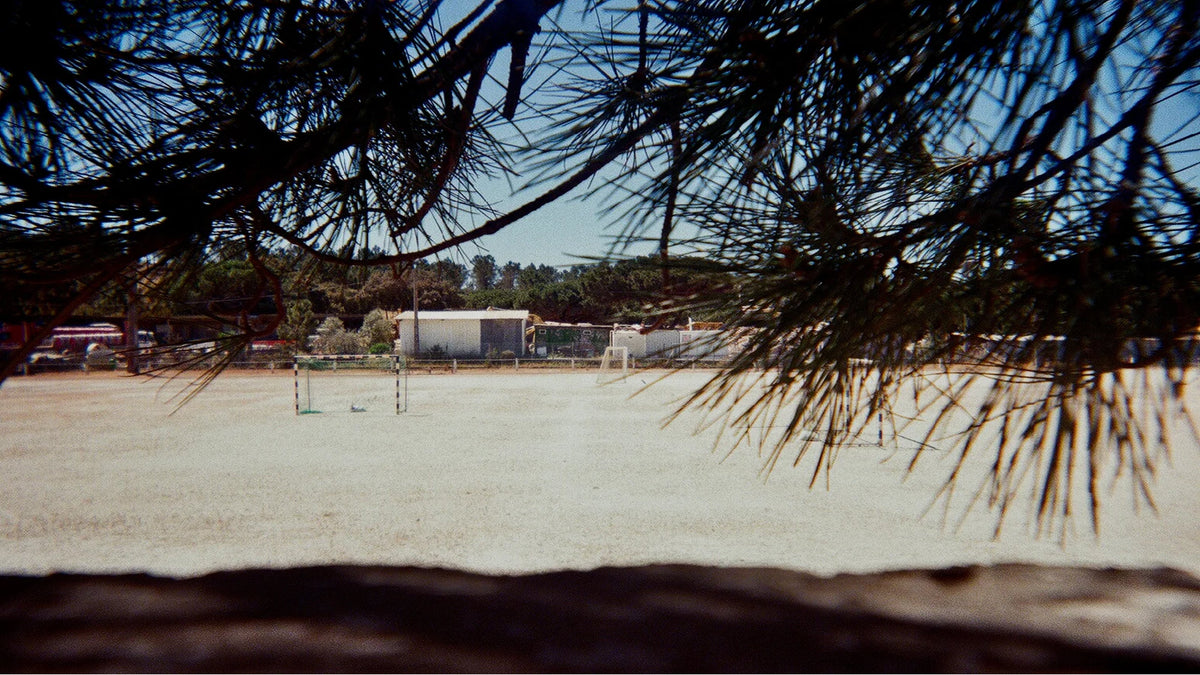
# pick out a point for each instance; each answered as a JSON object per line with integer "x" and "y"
{"x": 488, "y": 473}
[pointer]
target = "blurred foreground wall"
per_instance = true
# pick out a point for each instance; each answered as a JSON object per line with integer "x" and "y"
{"x": 656, "y": 618}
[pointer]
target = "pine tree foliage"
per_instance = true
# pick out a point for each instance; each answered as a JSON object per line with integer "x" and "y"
{"x": 155, "y": 132}
{"x": 1008, "y": 188}
{"x": 1005, "y": 187}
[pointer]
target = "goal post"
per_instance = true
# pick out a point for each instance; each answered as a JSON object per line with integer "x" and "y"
{"x": 614, "y": 365}
{"x": 350, "y": 384}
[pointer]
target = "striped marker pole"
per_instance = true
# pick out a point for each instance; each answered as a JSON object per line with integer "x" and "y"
{"x": 296, "y": 380}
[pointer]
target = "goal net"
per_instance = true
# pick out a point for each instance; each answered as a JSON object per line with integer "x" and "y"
{"x": 614, "y": 365}
{"x": 351, "y": 384}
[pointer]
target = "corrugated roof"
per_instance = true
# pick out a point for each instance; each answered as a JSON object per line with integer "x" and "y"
{"x": 467, "y": 314}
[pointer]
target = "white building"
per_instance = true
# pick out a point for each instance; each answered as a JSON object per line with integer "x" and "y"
{"x": 656, "y": 344}
{"x": 468, "y": 334}
{"x": 704, "y": 345}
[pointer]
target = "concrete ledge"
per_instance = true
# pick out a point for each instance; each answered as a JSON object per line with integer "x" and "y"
{"x": 655, "y": 618}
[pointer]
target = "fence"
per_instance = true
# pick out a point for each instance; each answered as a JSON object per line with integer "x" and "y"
{"x": 528, "y": 364}
{"x": 448, "y": 365}
{"x": 971, "y": 351}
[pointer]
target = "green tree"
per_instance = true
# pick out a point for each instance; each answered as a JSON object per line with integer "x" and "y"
{"x": 500, "y": 298}
{"x": 440, "y": 285}
{"x": 533, "y": 276}
{"x": 447, "y": 272}
{"x": 377, "y": 328}
{"x": 298, "y": 324}
{"x": 563, "y": 301}
{"x": 229, "y": 286}
{"x": 508, "y": 274}
{"x": 333, "y": 338}
{"x": 384, "y": 288}
{"x": 483, "y": 272}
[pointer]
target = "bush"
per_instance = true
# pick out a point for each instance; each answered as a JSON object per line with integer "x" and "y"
{"x": 333, "y": 338}
{"x": 376, "y": 328}
{"x": 380, "y": 348}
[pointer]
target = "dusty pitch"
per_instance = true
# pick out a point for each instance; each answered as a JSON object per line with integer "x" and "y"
{"x": 493, "y": 473}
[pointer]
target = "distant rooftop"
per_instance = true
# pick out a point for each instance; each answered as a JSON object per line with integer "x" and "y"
{"x": 466, "y": 314}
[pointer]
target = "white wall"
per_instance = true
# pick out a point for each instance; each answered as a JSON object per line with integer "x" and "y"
{"x": 456, "y": 337}
{"x": 662, "y": 344}
{"x": 703, "y": 344}
{"x": 655, "y": 344}
{"x": 632, "y": 340}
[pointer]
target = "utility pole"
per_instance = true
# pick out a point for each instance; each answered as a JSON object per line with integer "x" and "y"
{"x": 416, "y": 328}
{"x": 131, "y": 325}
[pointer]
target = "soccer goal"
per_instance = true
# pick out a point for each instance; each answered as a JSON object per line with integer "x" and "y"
{"x": 351, "y": 384}
{"x": 614, "y": 365}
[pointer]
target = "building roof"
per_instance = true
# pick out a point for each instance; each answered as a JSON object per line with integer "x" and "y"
{"x": 563, "y": 324}
{"x": 467, "y": 315}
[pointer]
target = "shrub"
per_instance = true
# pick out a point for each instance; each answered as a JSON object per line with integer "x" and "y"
{"x": 376, "y": 328}
{"x": 333, "y": 338}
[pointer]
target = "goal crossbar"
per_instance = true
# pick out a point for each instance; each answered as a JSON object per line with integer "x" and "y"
{"x": 614, "y": 365}
{"x": 350, "y": 398}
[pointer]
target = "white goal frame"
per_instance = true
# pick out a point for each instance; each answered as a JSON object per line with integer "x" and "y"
{"x": 614, "y": 358}
{"x": 394, "y": 365}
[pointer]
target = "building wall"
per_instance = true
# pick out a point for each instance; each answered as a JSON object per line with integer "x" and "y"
{"x": 703, "y": 344}
{"x": 632, "y": 340}
{"x": 455, "y": 337}
{"x": 466, "y": 335}
{"x": 655, "y": 344}
{"x": 502, "y": 335}
{"x": 662, "y": 344}
{"x": 585, "y": 341}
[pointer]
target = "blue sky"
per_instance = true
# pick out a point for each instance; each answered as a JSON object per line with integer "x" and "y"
{"x": 563, "y": 234}
{"x": 571, "y": 230}
{"x": 560, "y": 234}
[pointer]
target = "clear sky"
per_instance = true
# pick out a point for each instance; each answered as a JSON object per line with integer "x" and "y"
{"x": 569, "y": 231}
{"x": 560, "y": 234}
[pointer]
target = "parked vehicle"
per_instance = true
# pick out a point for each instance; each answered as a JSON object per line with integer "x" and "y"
{"x": 77, "y": 339}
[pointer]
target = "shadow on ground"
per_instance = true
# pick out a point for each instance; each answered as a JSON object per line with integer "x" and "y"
{"x": 655, "y": 618}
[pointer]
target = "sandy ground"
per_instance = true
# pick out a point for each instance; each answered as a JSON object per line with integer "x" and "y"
{"x": 492, "y": 473}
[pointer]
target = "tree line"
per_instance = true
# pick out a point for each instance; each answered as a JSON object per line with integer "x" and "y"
{"x": 628, "y": 290}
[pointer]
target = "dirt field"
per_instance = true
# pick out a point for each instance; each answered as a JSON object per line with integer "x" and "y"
{"x": 493, "y": 473}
